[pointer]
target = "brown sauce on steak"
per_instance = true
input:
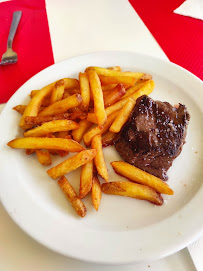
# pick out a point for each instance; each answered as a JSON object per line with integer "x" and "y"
{"x": 153, "y": 136}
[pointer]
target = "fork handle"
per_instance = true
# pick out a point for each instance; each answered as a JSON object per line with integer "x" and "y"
{"x": 14, "y": 26}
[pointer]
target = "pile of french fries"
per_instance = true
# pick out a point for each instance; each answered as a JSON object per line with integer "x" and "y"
{"x": 93, "y": 109}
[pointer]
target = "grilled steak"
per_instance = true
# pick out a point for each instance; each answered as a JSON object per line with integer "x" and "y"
{"x": 153, "y": 136}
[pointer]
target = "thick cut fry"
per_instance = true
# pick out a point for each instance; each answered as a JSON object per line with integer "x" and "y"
{"x": 133, "y": 190}
{"x": 84, "y": 125}
{"x": 72, "y": 163}
{"x": 108, "y": 87}
{"x": 71, "y": 83}
{"x": 123, "y": 116}
{"x": 57, "y": 92}
{"x": 114, "y": 73}
{"x": 86, "y": 179}
{"x": 44, "y": 157}
{"x": 98, "y": 98}
{"x": 72, "y": 196}
{"x": 114, "y": 95}
{"x": 96, "y": 192}
{"x": 52, "y": 127}
{"x": 41, "y": 119}
{"x": 46, "y": 143}
{"x": 97, "y": 131}
{"x": 20, "y": 108}
{"x": 108, "y": 139}
{"x": 33, "y": 107}
{"x": 62, "y": 106}
{"x": 125, "y": 80}
{"x": 133, "y": 89}
{"x": 99, "y": 158}
{"x": 145, "y": 90}
{"x": 139, "y": 176}
{"x": 85, "y": 90}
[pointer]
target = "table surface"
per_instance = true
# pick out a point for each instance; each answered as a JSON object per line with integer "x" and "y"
{"x": 111, "y": 25}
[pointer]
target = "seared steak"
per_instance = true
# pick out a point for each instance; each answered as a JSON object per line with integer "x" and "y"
{"x": 153, "y": 136}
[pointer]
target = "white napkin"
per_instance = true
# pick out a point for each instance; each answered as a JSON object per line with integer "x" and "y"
{"x": 196, "y": 252}
{"x": 191, "y": 8}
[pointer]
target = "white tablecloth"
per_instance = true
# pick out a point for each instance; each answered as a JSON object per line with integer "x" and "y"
{"x": 78, "y": 27}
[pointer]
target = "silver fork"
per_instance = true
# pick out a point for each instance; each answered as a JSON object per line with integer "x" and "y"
{"x": 10, "y": 57}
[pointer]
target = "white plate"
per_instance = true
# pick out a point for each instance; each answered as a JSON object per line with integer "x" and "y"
{"x": 124, "y": 230}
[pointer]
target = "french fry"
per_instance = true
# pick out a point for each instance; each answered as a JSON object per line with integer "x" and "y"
{"x": 131, "y": 90}
{"x": 98, "y": 98}
{"x": 108, "y": 87}
{"x": 72, "y": 196}
{"x": 86, "y": 179}
{"x": 62, "y": 153}
{"x": 123, "y": 116}
{"x": 114, "y": 95}
{"x": 133, "y": 190}
{"x": 33, "y": 107}
{"x": 46, "y": 143}
{"x": 97, "y": 131}
{"x": 68, "y": 83}
{"x": 44, "y": 157}
{"x": 96, "y": 192}
{"x": 20, "y": 108}
{"x": 125, "y": 80}
{"x": 85, "y": 90}
{"x": 71, "y": 83}
{"x": 61, "y": 106}
{"x": 84, "y": 125}
{"x": 41, "y": 119}
{"x": 72, "y": 163}
{"x": 99, "y": 158}
{"x": 108, "y": 139}
{"x": 114, "y": 73}
{"x": 145, "y": 77}
{"x": 139, "y": 176}
{"x": 57, "y": 92}
{"x": 46, "y": 102}
{"x": 144, "y": 90}
{"x": 52, "y": 127}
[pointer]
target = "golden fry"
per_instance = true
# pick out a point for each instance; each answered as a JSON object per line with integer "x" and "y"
{"x": 96, "y": 192}
{"x": 85, "y": 90}
{"x": 114, "y": 95}
{"x": 72, "y": 196}
{"x": 108, "y": 87}
{"x": 62, "y": 106}
{"x": 139, "y": 176}
{"x": 57, "y": 92}
{"x": 84, "y": 125}
{"x": 115, "y": 68}
{"x": 97, "y": 131}
{"x": 33, "y": 107}
{"x": 123, "y": 116}
{"x": 114, "y": 73}
{"x": 52, "y": 127}
{"x": 133, "y": 190}
{"x": 44, "y": 157}
{"x": 98, "y": 98}
{"x": 46, "y": 143}
{"x": 72, "y": 163}
{"x": 125, "y": 80}
{"x": 20, "y": 108}
{"x": 86, "y": 179}
{"x": 41, "y": 119}
{"x": 133, "y": 89}
{"x": 99, "y": 158}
